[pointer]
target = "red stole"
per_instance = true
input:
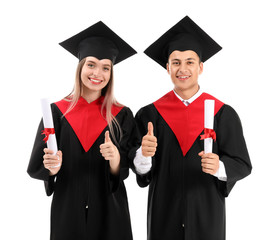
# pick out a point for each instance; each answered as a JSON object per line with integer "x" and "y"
{"x": 186, "y": 122}
{"x": 86, "y": 119}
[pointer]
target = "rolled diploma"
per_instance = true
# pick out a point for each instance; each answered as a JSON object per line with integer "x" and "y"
{"x": 209, "y": 106}
{"x": 48, "y": 123}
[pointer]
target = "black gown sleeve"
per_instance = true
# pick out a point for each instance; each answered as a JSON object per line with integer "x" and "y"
{"x": 36, "y": 167}
{"x": 143, "y": 116}
{"x": 232, "y": 148}
{"x": 127, "y": 147}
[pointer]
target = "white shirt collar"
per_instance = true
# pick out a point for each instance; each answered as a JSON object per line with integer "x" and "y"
{"x": 190, "y": 100}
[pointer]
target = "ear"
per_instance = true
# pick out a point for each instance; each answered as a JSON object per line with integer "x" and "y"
{"x": 200, "y": 67}
{"x": 167, "y": 68}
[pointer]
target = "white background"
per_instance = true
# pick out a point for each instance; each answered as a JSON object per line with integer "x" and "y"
{"x": 245, "y": 74}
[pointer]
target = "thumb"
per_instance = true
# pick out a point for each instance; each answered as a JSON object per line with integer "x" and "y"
{"x": 150, "y": 129}
{"x": 107, "y": 137}
{"x": 59, "y": 153}
{"x": 201, "y": 153}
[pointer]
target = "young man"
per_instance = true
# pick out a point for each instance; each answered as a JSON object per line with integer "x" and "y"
{"x": 187, "y": 188}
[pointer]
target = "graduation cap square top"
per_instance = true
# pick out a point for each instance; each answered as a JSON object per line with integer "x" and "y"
{"x": 185, "y": 35}
{"x": 98, "y": 41}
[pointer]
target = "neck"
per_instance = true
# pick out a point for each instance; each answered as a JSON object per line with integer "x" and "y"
{"x": 91, "y": 96}
{"x": 188, "y": 93}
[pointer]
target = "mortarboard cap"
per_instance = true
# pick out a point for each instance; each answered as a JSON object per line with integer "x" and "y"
{"x": 185, "y": 35}
{"x": 98, "y": 41}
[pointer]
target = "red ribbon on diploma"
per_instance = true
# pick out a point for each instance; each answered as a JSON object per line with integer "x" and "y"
{"x": 208, "y": 133}
{"x": 47, "y": 132}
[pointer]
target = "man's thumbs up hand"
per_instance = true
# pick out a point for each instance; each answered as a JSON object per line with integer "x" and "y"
{"x": 150, "y": 129}
{"x": 149, "y": 142}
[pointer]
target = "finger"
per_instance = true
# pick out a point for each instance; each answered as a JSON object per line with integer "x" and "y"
{"x": 148, "y": 154}
{"x": 207, "y": 170}
{"x": 59, "y": 155}
{"x": 150, "y": 129}
{"x": 49, "y": 156}
{"x": 149, "y": 144}
{"x": 52, "y": 164}
{"x": 56, "y": 166}
{"x": 50, "y": 161}
{"x": 107, "y": 137}
{"x": 201, "y": 153}
{"x": 210, "y": 156}
{"x": 105, "y": 146}
{"x": 206, "y": 160}
{"x": 209, "y": 161}
{"x": 149, "y": 138}
{"x": 48, "y": 151}
{"x": 108, "y": 156}
{"x": 149, "y": 149}
{"x": 106, "y": 153}
{"x": 48, "y": 166}
{"x": 208, "y": 166}
{"x": 207, "y": 157}
{"x": 213, "y": 156}
{"x": 106, "y": 150}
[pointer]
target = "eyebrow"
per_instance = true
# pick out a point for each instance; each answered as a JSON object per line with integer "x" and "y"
{"x": 90, "y": 61}
{"x": 106, "y": 64}
{"x": 187, "y": 59}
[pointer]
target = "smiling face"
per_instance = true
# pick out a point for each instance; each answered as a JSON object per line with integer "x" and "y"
{"x": 184, "y": 68}
{"x": 95, "y": 75}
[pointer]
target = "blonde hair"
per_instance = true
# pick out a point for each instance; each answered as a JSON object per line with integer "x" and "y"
{"x": 109, "y": 101}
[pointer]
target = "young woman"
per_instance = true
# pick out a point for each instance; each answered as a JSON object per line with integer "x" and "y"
{"x": 94, "y": 134}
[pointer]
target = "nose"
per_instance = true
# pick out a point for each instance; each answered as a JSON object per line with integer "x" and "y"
{"x": 183, "y": 69}
{"x": 96, "y": 72}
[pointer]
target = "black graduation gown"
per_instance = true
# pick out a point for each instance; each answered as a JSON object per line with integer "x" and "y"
{"x": 183, "y": 201}
{"x": 88, "y": 201}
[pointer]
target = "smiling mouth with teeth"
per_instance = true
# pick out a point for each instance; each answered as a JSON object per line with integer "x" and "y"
{"x": 95, "y": 81}
{"x": 184, "y": 77}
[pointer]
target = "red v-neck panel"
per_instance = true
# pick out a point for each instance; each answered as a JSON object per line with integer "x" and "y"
{"x": 186, "y": 122}
{"x": 86, "y": 119}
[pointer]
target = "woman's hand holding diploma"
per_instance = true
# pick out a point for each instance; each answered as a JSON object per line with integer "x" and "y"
{"x": 52, "y": 162}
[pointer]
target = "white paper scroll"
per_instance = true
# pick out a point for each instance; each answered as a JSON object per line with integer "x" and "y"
{"x": 209, "y": 106}
{"x": 48, "y": 123}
